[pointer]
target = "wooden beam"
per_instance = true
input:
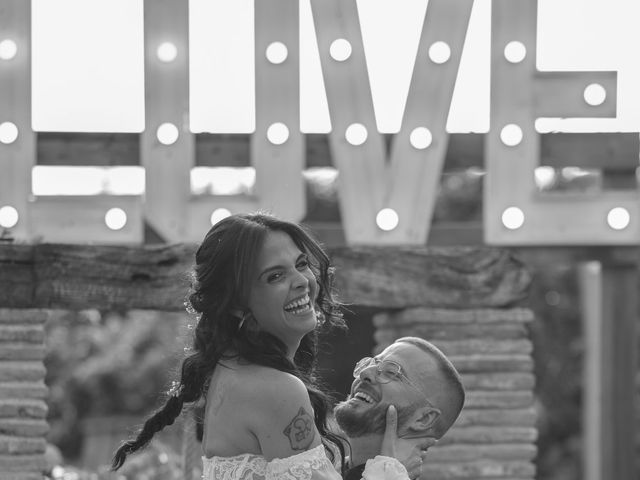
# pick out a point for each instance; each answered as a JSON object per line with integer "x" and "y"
{"x": 17, "y": 155}
{"x": 167, "y": 161}
{"x": 76, "y": 277}
{"x": 590, "y": 285}
{"x": 92, "y": 149}
{"x": 619, "y": 368}
{"x": 277, "y": 147}
{"x": 361, "y": 160}
{"x": 609, "y": 292}
{"x": 613, "y": 151}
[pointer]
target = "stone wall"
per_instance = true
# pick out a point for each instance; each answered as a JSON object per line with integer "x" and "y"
{"x": 494, "y": 437}
{"x": 23, "y": 394}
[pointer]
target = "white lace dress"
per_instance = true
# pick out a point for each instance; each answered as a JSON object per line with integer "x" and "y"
{"x": 309, "y": 465}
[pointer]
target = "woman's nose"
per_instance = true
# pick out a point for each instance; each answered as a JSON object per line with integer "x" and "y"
{"x": 300, "y": 280}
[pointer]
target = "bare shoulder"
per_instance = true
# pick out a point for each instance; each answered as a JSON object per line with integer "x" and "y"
{"x": 259, "y": 410}
{"x": 281, "y": 414}
{"x": 273, "y": 381}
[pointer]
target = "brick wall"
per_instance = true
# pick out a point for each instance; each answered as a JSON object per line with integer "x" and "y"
{"x": 494, "y": 437}
{"x": 23, "y": 394}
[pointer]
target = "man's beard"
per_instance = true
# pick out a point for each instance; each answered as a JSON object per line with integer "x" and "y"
{"x": 360, "y": 422}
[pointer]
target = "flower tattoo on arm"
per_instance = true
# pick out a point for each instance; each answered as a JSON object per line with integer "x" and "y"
{"x": 300, "y": 430}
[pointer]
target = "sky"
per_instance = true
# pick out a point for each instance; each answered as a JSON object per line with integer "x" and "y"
{"x": 88, "y": 63}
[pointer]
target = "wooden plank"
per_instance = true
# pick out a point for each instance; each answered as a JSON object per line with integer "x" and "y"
{"x": 378, "y": 277}
{"x": 478, "y": 469}
{"x": 279, "y": 186}
{"x": 154, "y": 277}
{"x": 81, "y": 219}
{"x": 613, "y": 151}
{"x": 21, "y": 445}
{"x": 414, "y": 173}
{"x": 18, "y": 157}
{"x": 510, "y": 167}
{"x": 477, "y": 346}
{"x": 23, "y": 464}
{"x": 23, "y": 408}
{"x": 498, "y": 399}
{"x": 499, "y": 381}
{"x": 433, "y": 332}
{"x": 619, "y": 367}
{"x": 479, "y": 417}
{"x": 542, "y": 257}
{"x": 362, "y": 166}
{"x": 489, "y": 435}
{"x": 167, "y": 166}
{"x": 463, "y": 453}
{"x": 493, "y": 363}
{"x": 91, "y": 149}
{"x": 561, "y": 94}
{"x": 463, "y": 317}
{"x": 570, "y": 219}
{"x": 223, "y": 150}
{"x": 590, "y": 285}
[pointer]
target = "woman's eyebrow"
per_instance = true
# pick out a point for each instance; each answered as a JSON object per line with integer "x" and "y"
{"x": 269, "y": 269}
{"x": 280, "y": 267}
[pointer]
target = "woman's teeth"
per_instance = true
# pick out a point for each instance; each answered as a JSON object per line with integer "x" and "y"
{"x": 301, "y": 305}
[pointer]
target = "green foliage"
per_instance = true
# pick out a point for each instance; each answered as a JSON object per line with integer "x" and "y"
{"x": 158, "y": 462}
{"x": 101, "y": 365}
{"x": 558, "y": 354}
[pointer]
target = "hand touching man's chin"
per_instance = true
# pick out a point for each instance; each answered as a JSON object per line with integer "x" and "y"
{"x": 357, "y": 419}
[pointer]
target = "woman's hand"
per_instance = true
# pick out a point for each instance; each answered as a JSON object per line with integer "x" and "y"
{"x": 411, "y": 453}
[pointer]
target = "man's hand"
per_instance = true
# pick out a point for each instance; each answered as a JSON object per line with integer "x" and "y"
{"x": 411, "y": 453}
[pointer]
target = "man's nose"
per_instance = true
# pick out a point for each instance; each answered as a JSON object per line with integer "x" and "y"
{"x": 369, "y": 373}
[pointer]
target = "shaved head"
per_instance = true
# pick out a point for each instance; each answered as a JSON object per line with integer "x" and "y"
{"x": 440, "y": 381}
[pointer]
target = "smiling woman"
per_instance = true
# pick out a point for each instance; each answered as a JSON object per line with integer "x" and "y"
{"x": 261, "y": 292}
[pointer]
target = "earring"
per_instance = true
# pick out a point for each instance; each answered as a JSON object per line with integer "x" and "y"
{"x": 245, "y": 316}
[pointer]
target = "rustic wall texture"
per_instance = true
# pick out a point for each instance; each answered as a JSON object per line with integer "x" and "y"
{"x": 460, "y": 298}
{"x": 23, "y": 406}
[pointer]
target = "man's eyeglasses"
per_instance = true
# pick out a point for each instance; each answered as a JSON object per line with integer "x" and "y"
{"x": 388, "y": 371}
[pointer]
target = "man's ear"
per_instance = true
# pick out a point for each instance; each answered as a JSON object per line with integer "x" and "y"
{"x": 422, "y": 423}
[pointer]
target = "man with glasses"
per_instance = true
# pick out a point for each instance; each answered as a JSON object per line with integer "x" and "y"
{"x": 418, "y": 380}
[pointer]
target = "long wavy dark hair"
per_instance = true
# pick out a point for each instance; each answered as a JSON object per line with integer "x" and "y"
{"x": 220, "y": 286}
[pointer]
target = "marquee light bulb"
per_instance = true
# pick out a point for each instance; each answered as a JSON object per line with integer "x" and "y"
{"x": 8, "y": 49}
{"x": 513, "y": 218}
{"x": 8, "y": 216}
{"x": 115, "y": 219}
{"x": 167, "y": 52}
{"x": 167, "y": 134}
{"x": 219, "y": 214}
{"x": 277, "y": 53}
{"x": 387, "y": 219}
{"x": 618, "y": 218}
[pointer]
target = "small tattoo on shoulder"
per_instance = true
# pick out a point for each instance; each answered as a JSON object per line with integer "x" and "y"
{"x": 300, "y": 430}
